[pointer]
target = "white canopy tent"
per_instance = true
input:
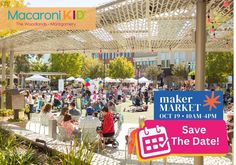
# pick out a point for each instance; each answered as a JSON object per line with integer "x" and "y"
{"x": 110, "y": 80}
{"x": 70, "y": 79}
{"x": 143, "y": 80}
{"x": 37, "y": 77}
{"x": 130, "y": 80}
{"x": 81, "y": 80}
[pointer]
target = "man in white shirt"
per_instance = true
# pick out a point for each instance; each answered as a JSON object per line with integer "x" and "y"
{"x": 89, "y": 125}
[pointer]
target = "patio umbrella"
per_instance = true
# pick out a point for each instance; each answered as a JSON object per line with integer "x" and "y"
{"x": 143, "y": 80}
{"x": 37, "y": 77}
{"x": 70, "y": 79}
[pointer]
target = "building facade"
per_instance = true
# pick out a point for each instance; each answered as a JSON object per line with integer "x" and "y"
{"x": 165, "y": 59}
{"x": 107, "y": 57}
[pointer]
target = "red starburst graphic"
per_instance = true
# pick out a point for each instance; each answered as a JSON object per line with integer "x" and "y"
{"x": 211, "y": 102}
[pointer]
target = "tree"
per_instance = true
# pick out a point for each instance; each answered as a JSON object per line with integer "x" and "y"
{"x": 71, "y": 64}
{"x": 192, "y": 74}
{"x": 22, "y": 64}
{"x": 180, "y": 71}
{"x": 10, "y": 3}
{"x": 219, "y": 65}
{"x": 153, "y": 72}
{"x": 121, "y": 68}
{"x": 92, "y": 68}
{"x": 37, "y": 64}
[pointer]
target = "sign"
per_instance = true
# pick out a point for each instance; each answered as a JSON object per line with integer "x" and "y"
{"x": 18, "y": 101}
{"x": 181, "y": 137}
{"x": 61, "y": 85}
{"x": 188, "y": 105}
{"x": 48, "y": 18}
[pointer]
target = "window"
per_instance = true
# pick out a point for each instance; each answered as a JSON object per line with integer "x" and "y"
{"x": 165, "y": 59}
{"x": 165, "y": 63}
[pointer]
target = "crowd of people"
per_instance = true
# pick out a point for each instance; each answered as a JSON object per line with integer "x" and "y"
{"x": 100, "y": 102}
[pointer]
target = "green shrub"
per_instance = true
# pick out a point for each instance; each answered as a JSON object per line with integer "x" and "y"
{"x": 11, "y": 152}
{"x": 80, "y": 153}
{"x": 15, "y": 120}
{"x": 6, "y": 112}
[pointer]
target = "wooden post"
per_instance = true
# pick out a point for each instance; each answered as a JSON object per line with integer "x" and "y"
{"x": 52, "y": 129}
{"x": 3, "y": 77}
{"x": 11, "y": 69}
{"x": 200, "y": 54}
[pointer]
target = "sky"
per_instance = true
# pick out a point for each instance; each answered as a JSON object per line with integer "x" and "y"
{"x": 65, "y": 3}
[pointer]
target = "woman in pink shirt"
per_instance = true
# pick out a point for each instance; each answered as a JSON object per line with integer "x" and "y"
{"x": 69, "y": 125}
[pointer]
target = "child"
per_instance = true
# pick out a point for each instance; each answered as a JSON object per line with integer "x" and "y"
{"x": 69, "y": 125}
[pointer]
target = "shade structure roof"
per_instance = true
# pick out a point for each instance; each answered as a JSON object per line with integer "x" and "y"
{"x": 134, "y": 25}
{"x": 37, "y": 77}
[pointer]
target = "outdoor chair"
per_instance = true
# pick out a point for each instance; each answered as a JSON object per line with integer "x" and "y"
{"x": 44, "y": 123}
{"x": 34, "y": 122}
{"x": 62, "y": 135}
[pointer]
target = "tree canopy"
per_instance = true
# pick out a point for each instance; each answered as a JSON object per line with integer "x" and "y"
{"x": 92, "y": 68}
{"x": 121, "y": 68}
{"x": 153, "y": 72}
{"x": 10, "y": 3}
{"x": 219, "y": 65}
{"x": 180, "y": 71}
{"x": 71, "y": 64}
{"x": 22, "y": 63}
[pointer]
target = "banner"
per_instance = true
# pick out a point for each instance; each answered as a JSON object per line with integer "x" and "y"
{"x": 185, "y": 124}
{"x": 181, "y": 137}
{"x": 188, "y": 105}
{"x": 48, "y": 18}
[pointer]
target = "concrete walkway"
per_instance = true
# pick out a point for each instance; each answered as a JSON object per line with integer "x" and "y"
{"x": 113, "y": 156}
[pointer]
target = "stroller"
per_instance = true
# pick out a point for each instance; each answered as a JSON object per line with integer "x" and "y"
{"x": 112, "y": 140}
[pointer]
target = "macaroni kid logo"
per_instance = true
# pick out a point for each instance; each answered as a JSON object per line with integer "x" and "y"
{"x": 49, "y": 16}
{"x": 188, "y": 105}
{"x": 25, "y": 18}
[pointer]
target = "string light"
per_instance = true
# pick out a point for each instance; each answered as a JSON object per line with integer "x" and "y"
{"x": 213, "y": 29}
{"x": 214, "y": 35}
{"x": 226, "y": 3}
{"x": 209, "y": 18}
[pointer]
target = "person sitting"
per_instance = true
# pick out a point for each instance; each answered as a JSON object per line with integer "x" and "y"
{"x": 137, "y": 101}
{"x": 69, "y": 126}
{"x": 60, "y": 118}
{"x": 90, "y": 110}
{"x": 46, "y": 112}
{"x": 73, "y": 111}
{"x": 107, "y": 128}
{"x": 111, "y": 107}
{"x": 230, "y": 127}
{"x": 88, "y": 124}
